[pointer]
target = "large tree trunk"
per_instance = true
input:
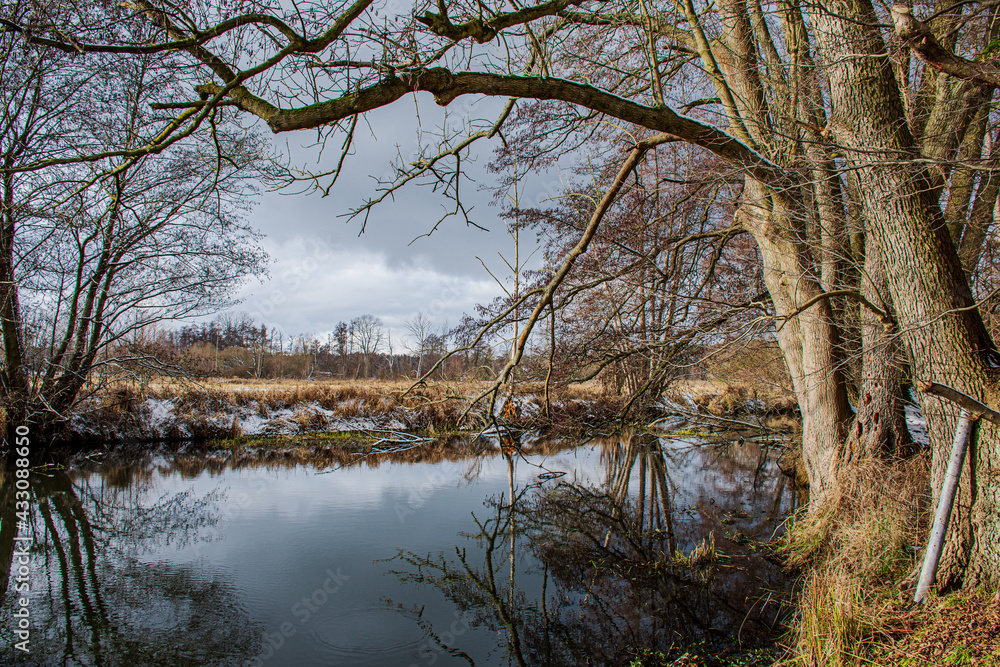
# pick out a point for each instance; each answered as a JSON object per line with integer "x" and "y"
{"x": 779, "y": 221}
{"x": 809, "y": 340}
{"x": 941, "y": 326}
{"x": 880, "y": 427}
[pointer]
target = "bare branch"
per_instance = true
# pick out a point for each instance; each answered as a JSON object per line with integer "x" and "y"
{"x": 918, "y": 36}
{"x": 960, "y": 399}
{"x": 484, "y": 31}
{"x": 447, "y": 86}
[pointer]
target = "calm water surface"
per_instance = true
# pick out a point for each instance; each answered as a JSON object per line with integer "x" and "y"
{"x": 412, "y": 559}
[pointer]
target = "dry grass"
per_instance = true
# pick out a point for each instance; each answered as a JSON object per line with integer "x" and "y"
{"x": 740, "y": 379}
{"x": 858, "y": 555}
{"x": 428, "y": 406}
{"x": 726, "y": 399}
{"x": 580, "y": 390}
{"x": 207, "y": 410}
{"x": 756, "y": 363}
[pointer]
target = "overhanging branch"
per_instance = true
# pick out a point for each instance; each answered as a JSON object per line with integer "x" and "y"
{"x": 446, "y": 86}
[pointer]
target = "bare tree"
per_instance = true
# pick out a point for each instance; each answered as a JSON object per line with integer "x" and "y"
{"x": 340, "y": 335}
{"x": 667, "y": 270}
{"x": 369, "y": 332}
{"x": 88, "y": 255}
{"x": 258, "y": 349}
{"x": 420, "y": 329}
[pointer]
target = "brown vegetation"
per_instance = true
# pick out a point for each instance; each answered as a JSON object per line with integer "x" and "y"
{"x": 214, "y": 411}
{"x": 859, "y": 561}
{"x": 853, "y": 553}
{"x": 732, "y": 380}
{"x": 728, "y": 399}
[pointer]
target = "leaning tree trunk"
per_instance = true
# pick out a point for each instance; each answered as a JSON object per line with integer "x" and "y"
{"x": 940, "y": 323}
{"x": 809, "y": 337}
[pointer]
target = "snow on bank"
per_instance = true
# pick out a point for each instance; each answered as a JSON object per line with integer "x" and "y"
{"x": 685, "y": 404}
{"x": 166, "y": 419}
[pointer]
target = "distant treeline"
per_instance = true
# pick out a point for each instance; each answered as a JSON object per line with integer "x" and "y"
{"x": 237, "y": 346}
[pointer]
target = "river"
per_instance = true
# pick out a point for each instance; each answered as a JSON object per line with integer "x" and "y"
{"x": 412, "y": 558}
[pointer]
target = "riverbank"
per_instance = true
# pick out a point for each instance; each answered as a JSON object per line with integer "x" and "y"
{"x": 245, "y": 409}
{"x": 859, "y": 562}
{"x": 172, "y": 411}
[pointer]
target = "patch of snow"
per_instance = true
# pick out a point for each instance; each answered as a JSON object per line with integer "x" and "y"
{"x": 668, "y": 406}
{"x": 167, "y": 418}
{"x": 160, "y": 410}
{"x": 161, "y": 415}
{"x": 528, "y": 406}
{"x": 916, "y": 423}
{"x": 369, "y": 423}
{"x": 252, "y": 424}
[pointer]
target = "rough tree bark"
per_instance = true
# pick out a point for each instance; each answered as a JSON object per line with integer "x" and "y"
{"x": 942, "y": 328}
{"x": 809, "y": 339}
{"x": 880, "y": 427}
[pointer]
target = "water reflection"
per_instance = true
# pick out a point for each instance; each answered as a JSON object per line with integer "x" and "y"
{"x": 577, "y": 555}
{"x": 94, "y": 600}
{"x": 655, "y": 555}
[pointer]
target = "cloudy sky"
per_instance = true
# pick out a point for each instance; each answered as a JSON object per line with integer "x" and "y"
{"x": 323, "y": 271}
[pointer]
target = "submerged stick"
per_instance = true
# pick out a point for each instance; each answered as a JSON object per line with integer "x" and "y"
{"x": 935, "y": 543}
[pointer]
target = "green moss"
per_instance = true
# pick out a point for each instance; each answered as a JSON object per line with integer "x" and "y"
{"x": 701, "y": 653}
{"x": 690, "y": 432}
{"x": 989, "y": 53}
{"x": 647, "y": 658}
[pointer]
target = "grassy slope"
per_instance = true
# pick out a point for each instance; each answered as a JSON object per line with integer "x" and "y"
{"x": 859, "y": 561}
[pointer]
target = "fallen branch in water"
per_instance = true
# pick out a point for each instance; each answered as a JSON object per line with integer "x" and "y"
{"x": 393, "y": 437}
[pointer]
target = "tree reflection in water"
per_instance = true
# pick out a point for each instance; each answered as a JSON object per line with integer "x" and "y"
{"x": 95, "y": 602}
{"x": 658, "y": 555}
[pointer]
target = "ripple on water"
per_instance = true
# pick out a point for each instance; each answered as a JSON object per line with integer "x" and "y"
{"x": 369, "y": 632}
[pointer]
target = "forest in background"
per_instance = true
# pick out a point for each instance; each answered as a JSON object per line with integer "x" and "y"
{"x": 235, "y": 347}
